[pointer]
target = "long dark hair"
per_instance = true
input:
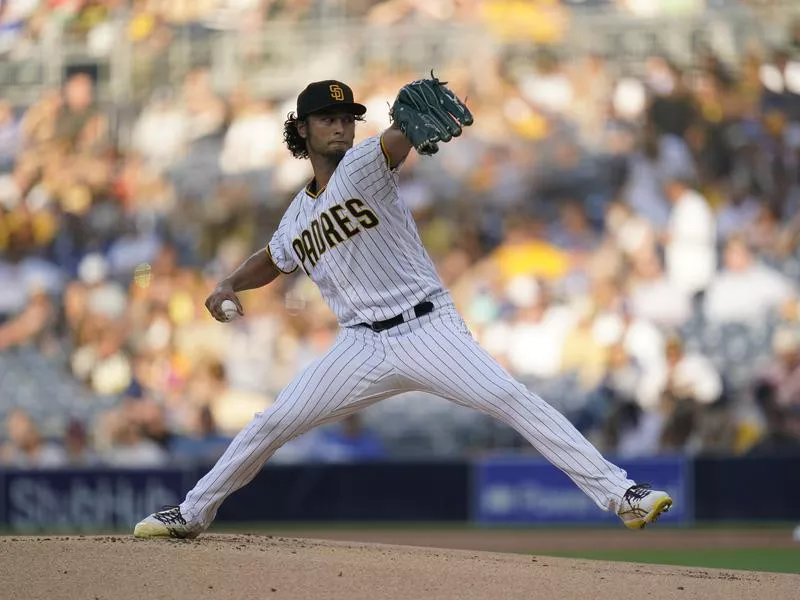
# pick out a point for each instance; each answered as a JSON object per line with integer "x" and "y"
{"x": 295, "y": 143}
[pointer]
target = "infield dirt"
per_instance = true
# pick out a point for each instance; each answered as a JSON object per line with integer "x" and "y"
{"x": 262, "y": 566}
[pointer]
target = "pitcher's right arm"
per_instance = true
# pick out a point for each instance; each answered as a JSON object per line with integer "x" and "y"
{"x": 257, "y": 271}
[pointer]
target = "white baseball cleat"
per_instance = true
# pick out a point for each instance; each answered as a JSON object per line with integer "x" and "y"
{"x": 167, "y": 523}
{"x": 641, "y": 506}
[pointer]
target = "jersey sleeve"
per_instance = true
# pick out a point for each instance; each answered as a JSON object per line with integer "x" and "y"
{"x": 367, "y": 166}
{"x": 279, "y": 249}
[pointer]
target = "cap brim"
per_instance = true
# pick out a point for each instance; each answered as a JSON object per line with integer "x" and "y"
{"x": 353, "y": 107}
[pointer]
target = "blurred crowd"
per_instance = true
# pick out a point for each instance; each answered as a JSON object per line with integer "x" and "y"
{"x": 151, "y": 24}
{"x": 627, "y": 246}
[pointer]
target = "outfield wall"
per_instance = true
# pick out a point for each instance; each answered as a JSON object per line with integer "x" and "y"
{"x": 492, "y": 491}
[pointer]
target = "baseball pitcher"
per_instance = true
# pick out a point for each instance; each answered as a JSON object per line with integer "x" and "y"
{"x": 352, "y": 234}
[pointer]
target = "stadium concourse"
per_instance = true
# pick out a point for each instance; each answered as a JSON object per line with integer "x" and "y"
{"x": 625, "y": 241}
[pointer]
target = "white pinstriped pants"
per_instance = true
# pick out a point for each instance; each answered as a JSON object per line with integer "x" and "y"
{"x": 434, "y": 353}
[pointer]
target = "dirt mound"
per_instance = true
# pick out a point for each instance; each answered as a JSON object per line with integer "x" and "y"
{"x": 253, "y": 566}
{"x": 531, "y": 541}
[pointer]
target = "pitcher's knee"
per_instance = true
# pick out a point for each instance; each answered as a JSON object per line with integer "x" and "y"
{"x": 275, "y": 427}
{"x": 522, "y": 401}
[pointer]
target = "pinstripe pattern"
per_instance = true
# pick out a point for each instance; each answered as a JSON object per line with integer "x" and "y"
{"x": 442, "y": 358}
{"x": 435, "y": 354}
{"x": 376, "y": 274}
{"x": 373, "y": 268}
{"x": 353, "y": 374}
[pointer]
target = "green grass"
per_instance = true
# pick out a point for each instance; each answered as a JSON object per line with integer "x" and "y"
{"x": 266, "y": 527}
{"x": 778, "y": 560}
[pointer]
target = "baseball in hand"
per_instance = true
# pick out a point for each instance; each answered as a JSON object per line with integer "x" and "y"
{"x": 229, "y": 308}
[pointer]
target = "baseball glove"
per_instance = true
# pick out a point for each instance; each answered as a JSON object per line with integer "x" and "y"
{"x": 427, "y": 112}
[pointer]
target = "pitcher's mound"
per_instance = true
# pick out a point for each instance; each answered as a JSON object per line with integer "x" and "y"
{"x": 251, "y": 566}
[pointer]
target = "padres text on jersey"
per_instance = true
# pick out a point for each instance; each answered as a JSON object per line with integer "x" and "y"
{"x": 357, "y": 240}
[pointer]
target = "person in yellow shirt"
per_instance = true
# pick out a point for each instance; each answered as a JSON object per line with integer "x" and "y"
{"x": 540, "y": 21}
{"x": 525, "y": 252}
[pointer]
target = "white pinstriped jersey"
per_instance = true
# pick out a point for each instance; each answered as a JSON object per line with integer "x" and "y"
{"x": 357, "y": 241}
{"x": 359, "y": 244}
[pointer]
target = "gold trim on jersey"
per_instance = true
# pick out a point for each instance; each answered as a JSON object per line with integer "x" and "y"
{"x": 272, "y": 260}
{"x": 386, "y": 154}
{"x": 312, "y": 194}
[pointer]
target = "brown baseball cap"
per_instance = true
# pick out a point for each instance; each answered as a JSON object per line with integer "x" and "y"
{"x": 322, "y": 95}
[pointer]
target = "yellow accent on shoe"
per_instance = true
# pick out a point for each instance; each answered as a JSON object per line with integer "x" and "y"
{"x": 151, "y": 530}
{"x": 659, "y": 508}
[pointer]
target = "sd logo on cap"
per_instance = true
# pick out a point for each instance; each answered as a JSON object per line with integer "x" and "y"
{"x": 336, "y": 92}
{"x": 322, "y": 95}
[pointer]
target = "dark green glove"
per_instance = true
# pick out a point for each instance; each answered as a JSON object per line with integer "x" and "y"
{"x": 427, "y": 112}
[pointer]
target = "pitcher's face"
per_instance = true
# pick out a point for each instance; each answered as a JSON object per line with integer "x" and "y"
{"x": 329, "y": 134}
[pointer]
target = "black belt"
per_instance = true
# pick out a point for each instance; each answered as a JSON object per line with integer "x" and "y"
{"x": 423, "y": 308}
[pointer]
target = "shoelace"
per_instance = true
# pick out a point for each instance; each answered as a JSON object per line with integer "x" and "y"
{"x": 170, "y": 516}
{"x": 637, "y": 492}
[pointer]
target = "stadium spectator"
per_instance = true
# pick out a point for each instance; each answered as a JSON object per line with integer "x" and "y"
{"x": 78, "y": 448}
{"x": 160, "y": 133}
{"x": 22, "y": 272}
{"x": 652, "y": 297}
{"x": 584, "y": 352}
{"x": 33, "y": 325}
{"x": 100, "y": 360}
{"x": 745, "y": 291}
{"x": 244, "y": 149}
{"x": 125, "y": 445}
{"x": 738, "y": 213}
{"x": 538, "y": 323}
{"x": 690, "y": 247}
{"x": 25, "y": 447}
{"x": 205, "y": 111}
{"x": 641, "y": 340}
{"x": 782, "y": 437}
{"x": 657, "y": 157}
{"x": 682, "y": 393}
{"x": 78, "y": 109}
{"x": 778, "y": 386}
{"x": 672, "y": 108}
{"x": 613, "y": 397}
